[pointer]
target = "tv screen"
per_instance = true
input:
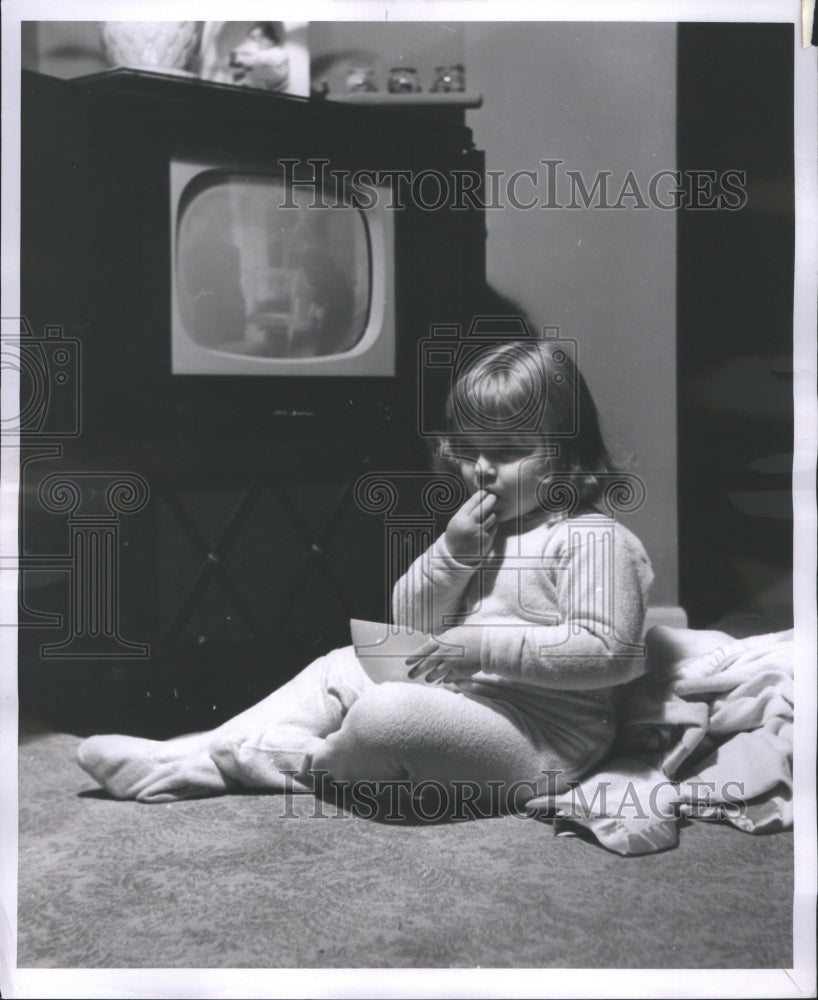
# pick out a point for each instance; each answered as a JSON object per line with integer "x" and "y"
{"x": 270, "y": 279}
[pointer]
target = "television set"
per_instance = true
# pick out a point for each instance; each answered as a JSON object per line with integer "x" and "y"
{"x": 233, "y": 283}
{"x": 204, "y": 329}
{"x": 273, "y": 279}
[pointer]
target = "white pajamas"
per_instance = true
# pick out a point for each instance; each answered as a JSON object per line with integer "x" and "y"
{"x": 561, "y": 607}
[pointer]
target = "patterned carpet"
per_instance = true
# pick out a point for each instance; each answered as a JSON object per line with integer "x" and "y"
{"x": 261, "y": 882}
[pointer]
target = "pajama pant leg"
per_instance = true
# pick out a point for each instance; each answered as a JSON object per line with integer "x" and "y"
{"x": 332, "y": 720}
{"x": 456, "y": 745}
{"x": 263, "y": 746}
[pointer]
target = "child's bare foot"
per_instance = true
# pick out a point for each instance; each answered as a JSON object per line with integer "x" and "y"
{"x": 151, "y": 771}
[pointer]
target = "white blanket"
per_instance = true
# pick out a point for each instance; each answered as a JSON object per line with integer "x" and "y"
{"x": 707, "y": 738}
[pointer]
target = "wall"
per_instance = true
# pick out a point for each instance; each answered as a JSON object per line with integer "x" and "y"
{"x": 598, "y": 97}
{"x": 62, "y": 48}
{"x": 336, "y": 47}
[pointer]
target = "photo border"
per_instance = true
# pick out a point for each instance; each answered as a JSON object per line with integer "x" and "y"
{"x": 798, "y": 981}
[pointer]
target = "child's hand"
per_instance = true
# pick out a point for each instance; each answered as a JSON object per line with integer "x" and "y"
{"x": 438, "y": 659}
{"x": 471, "y": 530}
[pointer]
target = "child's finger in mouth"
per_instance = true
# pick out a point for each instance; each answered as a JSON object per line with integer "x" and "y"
{"x": 486, "y": 504}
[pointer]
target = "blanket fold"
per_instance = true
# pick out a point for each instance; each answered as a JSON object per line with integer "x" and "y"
{"x": 705, "y": 738}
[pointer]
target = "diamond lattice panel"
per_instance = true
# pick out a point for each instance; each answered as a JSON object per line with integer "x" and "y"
{"x": 263, "y": 550}
{"x": 259, "y": 561}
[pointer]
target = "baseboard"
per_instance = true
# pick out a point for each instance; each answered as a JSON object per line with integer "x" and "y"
{"x": 665, "y": 614}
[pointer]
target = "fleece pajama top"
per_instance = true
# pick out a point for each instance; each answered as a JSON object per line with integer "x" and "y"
{"x": 561, "y": 606}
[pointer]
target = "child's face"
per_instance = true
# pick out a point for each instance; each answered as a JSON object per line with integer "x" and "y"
{"x": 511, "y": 472}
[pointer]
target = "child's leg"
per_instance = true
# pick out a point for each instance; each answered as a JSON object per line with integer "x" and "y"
{"x": 247, "y": 750}
{"x": 430, "y": 734}
{"x": 276, "y": 735}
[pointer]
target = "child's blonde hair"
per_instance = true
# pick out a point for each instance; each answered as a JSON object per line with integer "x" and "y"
{"x": 528, "y": 395}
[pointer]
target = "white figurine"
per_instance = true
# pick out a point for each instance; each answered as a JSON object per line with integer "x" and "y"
{"x": 260, "y": 60}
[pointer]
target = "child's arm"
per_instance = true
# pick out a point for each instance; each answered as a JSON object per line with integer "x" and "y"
{"x": 432, "y": 587}
{"x": 598, "y": 576}
{"x": 602, "y": 598}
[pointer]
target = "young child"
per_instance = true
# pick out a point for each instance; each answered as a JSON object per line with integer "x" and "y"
{"x": 535, "y": 617}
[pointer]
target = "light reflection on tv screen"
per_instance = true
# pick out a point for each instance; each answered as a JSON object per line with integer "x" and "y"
{"x": 259, "y": 279}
